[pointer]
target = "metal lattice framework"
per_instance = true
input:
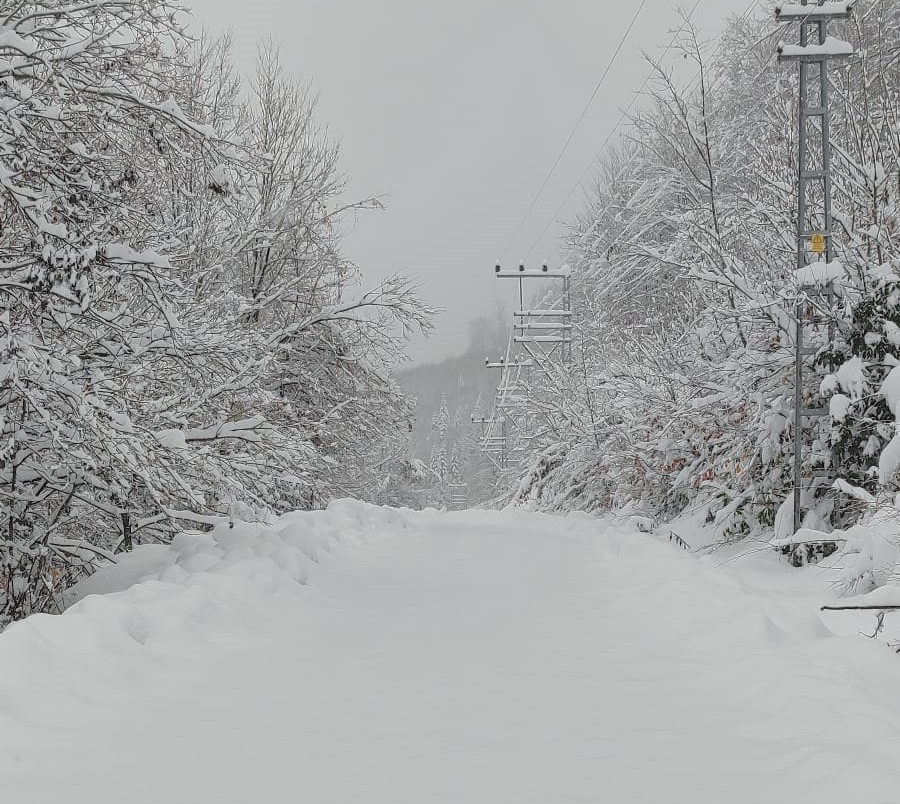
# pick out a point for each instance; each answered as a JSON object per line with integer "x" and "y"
{"x": 544, "y": 335}
{"x": 495, "y": 442}
{"x": 540, "y": 341}
{"x": 815, "y": 243}
{"x": 459, "y": 496}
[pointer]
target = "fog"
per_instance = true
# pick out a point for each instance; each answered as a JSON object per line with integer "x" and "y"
{"x": 454, "y": 113}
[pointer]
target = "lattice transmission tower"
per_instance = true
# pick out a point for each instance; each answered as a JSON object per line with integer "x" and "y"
{"x": 541, "y": 340}
{"x": 816, "y": 268}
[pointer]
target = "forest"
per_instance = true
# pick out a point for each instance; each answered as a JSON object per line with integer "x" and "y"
{"x": 181, "y": 339}
{"x": 638, "y": 542}
{"x": 678, "y": 399}
{"x": 184, "y": 342}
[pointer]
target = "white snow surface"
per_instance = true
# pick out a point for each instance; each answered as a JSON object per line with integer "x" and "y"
{"x": 820, "y": 274}
{"x": 890, "y": 390}
{"x": 830, "y": 47}
{"x": 835, "y": 8}
{"x": 839, "y": 407}
{"x": 889, "y": 460}
{"x": 368, "y": 655}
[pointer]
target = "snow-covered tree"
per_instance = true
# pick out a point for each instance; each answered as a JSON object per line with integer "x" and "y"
{"x": 179, "y": 337}
{"x": 86, "y": 295}
{"x": 679, "y": 396}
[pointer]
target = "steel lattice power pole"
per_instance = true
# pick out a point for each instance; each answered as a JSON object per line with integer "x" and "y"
{"x": 814, "y": 213}
{"x": 541, "y": 338}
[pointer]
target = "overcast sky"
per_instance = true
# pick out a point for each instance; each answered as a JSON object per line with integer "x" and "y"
{"x": 454, "y": 111}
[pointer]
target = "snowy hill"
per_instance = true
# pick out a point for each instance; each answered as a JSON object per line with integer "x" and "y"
{"x": 461, "y": 382}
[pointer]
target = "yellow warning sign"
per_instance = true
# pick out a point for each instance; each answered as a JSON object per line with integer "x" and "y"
{"x": 817, "y": 242}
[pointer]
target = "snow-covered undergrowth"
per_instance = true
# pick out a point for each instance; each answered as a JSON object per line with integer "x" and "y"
{"x": 362, "y": 654}
{"x": 869, "y": 555}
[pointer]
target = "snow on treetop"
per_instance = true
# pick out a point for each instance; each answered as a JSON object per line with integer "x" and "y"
{"x": 890, "y": 390}
{"x": 121, "y": 252}
{"x": 839, "y": 407}
{"x": 170, "y": 106}
{"x": 851, "y": 377}
{"x": 10, "y": 39}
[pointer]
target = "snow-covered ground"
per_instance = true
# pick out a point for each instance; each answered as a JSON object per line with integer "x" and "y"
{"x": 363, "y": 655}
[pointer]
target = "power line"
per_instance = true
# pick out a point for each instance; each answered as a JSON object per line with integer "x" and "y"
{"x": 575, "y": 128}
{"x": 742, "y": 18}
{"x": 625, "y": 114}
{"x": 612, "y": 133}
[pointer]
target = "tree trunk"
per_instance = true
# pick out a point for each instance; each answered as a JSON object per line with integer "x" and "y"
{"x": 127, "y": 540}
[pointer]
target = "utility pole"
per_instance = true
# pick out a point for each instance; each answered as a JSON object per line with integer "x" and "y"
{"x": 815, "y": 242}
{"x": 540, "y": 338}
{"x": 510, "y": 399}
{"x": 505, "y": 365}
{"x": 494, "y": 439}
{"x": 544, "y": 334}
{"x": 459, "y": 496}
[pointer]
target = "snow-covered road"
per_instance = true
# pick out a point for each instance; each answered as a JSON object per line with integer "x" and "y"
{"x": 480, "y": 657}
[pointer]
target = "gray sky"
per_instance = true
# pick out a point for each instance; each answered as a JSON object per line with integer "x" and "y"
{"x": 455, "y": 111}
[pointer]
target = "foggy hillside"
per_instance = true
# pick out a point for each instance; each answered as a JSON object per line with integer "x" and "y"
{"x": 462, "y": 382}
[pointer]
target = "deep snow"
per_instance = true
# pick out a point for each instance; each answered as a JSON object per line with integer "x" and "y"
{"x": 363, "y": 655}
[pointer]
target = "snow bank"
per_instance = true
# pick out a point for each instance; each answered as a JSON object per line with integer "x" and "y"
{"x": 219, "y": 587}
{"x": 276, "y": 559}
